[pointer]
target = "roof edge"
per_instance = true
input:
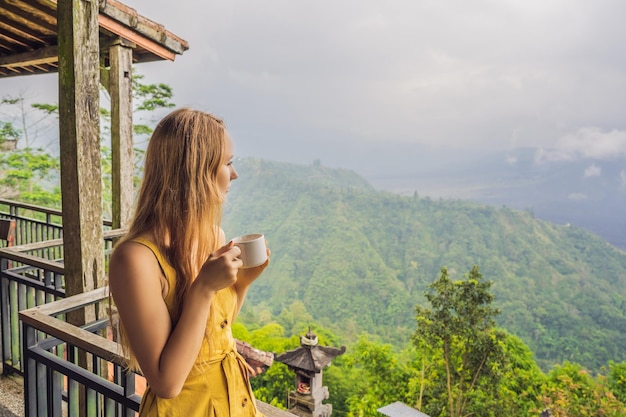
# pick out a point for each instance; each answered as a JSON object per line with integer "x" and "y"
{"x": 148, "y": 28}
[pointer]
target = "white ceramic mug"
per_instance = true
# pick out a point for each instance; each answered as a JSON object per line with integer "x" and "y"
{"x": 253, "y": 249}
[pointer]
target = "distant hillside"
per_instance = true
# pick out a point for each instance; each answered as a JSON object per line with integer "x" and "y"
{"x": 584, "y": 192}
{"x": 360, "y": 259}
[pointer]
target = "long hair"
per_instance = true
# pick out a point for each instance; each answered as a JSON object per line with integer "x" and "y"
{"x": 179, "y": 206}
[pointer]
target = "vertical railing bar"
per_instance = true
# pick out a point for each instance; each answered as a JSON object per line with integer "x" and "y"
{"x": 18, "y": 232}
{"x": 48, "y": 283}
{"x": 54, "y": 393}
{"x": 25, "y": 231}
{"x": 73, "y": 397}
{"x": 110, "y": 407}
{"x": 73, "y": 390}
{"x": 21, "y": 305}
{"x": 30, "y": 373}
{"x": 31, "y": 297}
{"x": 39, "y": 233}
{"x": 59, "y": 351}
{"x": 91, "y": 403}
{"x": 4, "y": 316}
{"x": 58, "y": 282}
{"x": 15, "y": 331}
{"x": 97, "y": 369}
{"x": 48, "y": 222}
{"x": 129, "y": 389}
{"x": 40, "y": 297}
{"x": 33, "y": 235}
{"x": 42, "y": 393}
{"x": 117, "y": 378}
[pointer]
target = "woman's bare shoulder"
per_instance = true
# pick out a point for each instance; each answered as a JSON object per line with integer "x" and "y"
{"x": 132, "y": 259}
{"x": 131, "y": 251}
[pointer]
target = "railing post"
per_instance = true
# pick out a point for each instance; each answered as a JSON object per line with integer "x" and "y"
{"x": 56, "y": 390}
{"x": 4, "y": 314}
{"x": 129, "y": 389}
{"x": 30, "y": 372}
{"x": 75, "y": 395}
{"x": 14, "y": 334}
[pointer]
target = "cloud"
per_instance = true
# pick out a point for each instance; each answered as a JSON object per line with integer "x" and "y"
{"x": 577, "y": 196}
{"x": 482, "y": 76}
{"x": 593, "y": 171}
{"x": 511, "y": 160}
{"x": 449, "y": 73}
{"x": 585, "y": 143}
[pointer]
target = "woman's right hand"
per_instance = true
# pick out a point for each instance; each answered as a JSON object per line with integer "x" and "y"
{"x": 220, "y": 269}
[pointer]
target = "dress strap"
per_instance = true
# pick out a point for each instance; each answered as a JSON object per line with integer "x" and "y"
{"x": 165, "y": 266}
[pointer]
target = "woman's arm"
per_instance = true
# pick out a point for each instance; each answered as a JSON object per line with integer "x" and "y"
{"x": 164, "y": 352}
{"x": 245, "y": 277}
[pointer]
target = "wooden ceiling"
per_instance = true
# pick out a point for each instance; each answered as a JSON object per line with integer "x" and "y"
{"x": 28, "y": 36}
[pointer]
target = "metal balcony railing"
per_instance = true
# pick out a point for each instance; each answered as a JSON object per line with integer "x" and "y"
{"x": 27, "y": 280}
{"x": 31, "y": 270}
{"x": 35, "y": 223}
{"x": 77, "y": 371}
{"x": 74, "y": 371}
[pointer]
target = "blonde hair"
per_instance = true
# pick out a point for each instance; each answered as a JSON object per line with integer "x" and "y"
{"x": 179, "y": 206}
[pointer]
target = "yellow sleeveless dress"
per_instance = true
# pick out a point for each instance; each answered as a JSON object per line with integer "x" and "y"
{"x": 218, "y": 384}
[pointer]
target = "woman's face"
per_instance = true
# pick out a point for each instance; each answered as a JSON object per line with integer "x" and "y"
{"x": 227, "y": 171}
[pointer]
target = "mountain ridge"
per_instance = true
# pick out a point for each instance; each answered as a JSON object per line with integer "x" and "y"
{"x": 587, "y": 192}
{"x": 359, "y": 259}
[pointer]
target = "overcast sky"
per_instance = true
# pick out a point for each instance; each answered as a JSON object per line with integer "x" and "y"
{"x": 346, "y": 80}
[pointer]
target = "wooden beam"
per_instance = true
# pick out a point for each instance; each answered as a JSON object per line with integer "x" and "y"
{"x": 132, "y": 36}
{"x": 121, "y": 93}
{"x": 18, "y": 28}
{"x": 129, "y": 17}
{"x": 79, "y": 120}
{"x": 43, "y": 318}
{"x": 47, "y": 55}
{"x": 32, "y": 17}
{"x": 11, "y": 42}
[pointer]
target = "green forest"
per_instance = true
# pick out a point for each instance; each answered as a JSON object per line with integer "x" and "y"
{"x": 452, "y": 307}
{"x": 360, "y": 260}
{"x": 357, "y": 264}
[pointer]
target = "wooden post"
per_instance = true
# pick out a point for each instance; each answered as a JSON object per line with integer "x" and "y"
{"x": 81, "y": 189}
{"x": 120, "y": 90}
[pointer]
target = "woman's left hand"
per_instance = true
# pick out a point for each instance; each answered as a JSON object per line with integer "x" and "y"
{"x": 248, "y": 275}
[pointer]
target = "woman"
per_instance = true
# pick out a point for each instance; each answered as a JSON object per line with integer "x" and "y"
{"x": 176, "y": 283}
